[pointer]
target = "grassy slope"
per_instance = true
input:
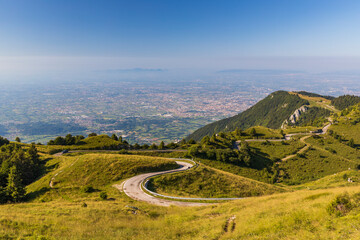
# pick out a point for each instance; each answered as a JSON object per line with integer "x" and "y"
{"x": 317, "y": 101}
{"x": 347, "y": 130}
{"x": 269, "y": 112}
{"x": 313, "y": 165}
{"x": 298, "y": 129}
{"x": 97, "y": 170}
{"x": 332, "y": 181}
{"x": 330, "y": 144}
{"x": 295, "y": 215}
{"x": 208, "y": 182}
{"x": 277, "y": 150}
{"x": 251, "y": 173}
{"x": 96, "y": 142}
{"x": 264, "y": 132}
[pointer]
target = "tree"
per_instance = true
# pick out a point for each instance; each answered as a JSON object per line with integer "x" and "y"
{"x": 205, "y": 140}
{"x": 162, "y": 145}
{"x": 114, "y": 137}
{"x": 244, "y": 146}
{"x": 33, "y": 154}
{"x": 3, "y": 195}
{"x": 351, "y": 143}
{"x": 238, "y": 132}
{"x": 136, "y": 146}
{"x": 193, "y": 151}
{"x": 14, "y": 188}
{"x": 182, "y": 142}
{"x": 253, "y": 132}
{"x": 92, "y": 135}
{"x": 69, "y": 140}
{"x": 17, "y": 139}
{"x": 59, "y": 141}
{"x": 153, "y": 146}
{"x": 120, "y": 139}
{"x": 191, "y": 141}
{"x": 78, "y": 138}
{"x": 3, "y": 141}
{"x": 172, "y": 145}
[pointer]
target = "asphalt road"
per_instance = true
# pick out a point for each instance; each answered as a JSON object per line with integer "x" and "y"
{"x": 133, "y": 188}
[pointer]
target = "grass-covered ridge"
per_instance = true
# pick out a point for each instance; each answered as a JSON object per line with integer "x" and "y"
{"x": 210, "y": 183}
{"x": 100, "y": 142}
{"x": 269, "y": 112}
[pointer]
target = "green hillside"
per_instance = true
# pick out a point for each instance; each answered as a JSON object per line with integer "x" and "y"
{"x": 99, "y": 171}
{"x": 303, "y": 176}
{"x": 346, "y": 125}
{"x": 269, "y": 112}
{"x": 315, "y": 116}
{"x": 345, "y": 101}
{"x": 100, "y": 142}
{"x": 209, "y": 182}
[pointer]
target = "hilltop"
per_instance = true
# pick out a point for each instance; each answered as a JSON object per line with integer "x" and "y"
{"x": 277, "y": 110}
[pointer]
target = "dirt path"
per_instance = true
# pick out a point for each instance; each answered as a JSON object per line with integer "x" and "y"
{"x": 302, "y": 150}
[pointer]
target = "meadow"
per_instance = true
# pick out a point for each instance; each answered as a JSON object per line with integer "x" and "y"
{"x": 294, "y": 215}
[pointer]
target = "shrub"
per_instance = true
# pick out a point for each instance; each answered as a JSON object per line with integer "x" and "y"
{"x": 300, "y": 155}
{"x": 340, "y": 206}
{"x": 88, "y": 189}
{"x": 123, "y": 151}
{"x": 330, "y": 150}
{"x": 345, "y": 176}
{"x": 103, "y": 195}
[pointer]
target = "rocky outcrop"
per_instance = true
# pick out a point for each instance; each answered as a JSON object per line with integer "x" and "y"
{"x": 295, "y": 116}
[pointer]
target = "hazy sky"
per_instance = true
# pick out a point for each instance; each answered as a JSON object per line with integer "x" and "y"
{"x": 42, "y": 36}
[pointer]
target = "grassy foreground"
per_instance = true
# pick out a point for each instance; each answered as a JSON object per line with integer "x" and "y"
{"x": 65, "y": 211}
{"x": 296, "y": 215}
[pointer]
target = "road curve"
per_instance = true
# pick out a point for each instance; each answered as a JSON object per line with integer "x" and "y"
{"x": 133, "y": 188}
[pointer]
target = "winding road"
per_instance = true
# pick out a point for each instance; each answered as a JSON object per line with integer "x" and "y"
{"x": 134, "y": 187}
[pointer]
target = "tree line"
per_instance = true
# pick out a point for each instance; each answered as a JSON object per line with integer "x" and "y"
{"x": 19, "y": 167}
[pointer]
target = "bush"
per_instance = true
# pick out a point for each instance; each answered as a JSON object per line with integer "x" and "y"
{"x": 340, "y": 206}
{"x": 88, "y": 189}
{"x": 300, "y": 155}
{"x": 123, "y": 151}
{"x": 103, "y": 195}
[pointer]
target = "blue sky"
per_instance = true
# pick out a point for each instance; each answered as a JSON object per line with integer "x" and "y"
{"x": 64, "y": 35}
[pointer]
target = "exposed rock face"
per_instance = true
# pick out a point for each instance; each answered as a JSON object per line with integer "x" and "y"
{"x": 295, "y": 116}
